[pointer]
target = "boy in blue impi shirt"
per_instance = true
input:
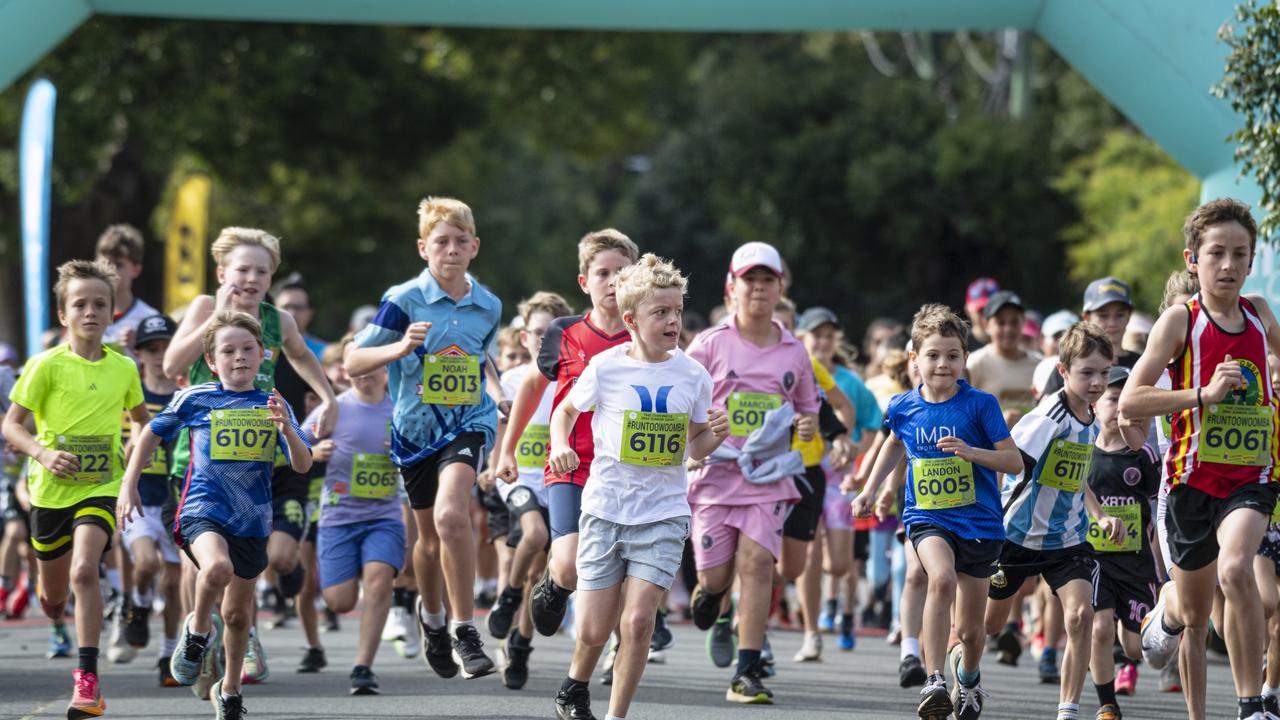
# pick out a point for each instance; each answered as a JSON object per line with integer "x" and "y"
{"x": 956, "y": 440}
{"x": 224, "y": 516}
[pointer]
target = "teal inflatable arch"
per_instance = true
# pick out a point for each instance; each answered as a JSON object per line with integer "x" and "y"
{"x": 1155, "y": 60}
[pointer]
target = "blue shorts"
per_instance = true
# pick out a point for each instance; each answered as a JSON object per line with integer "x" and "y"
{"x": 565, "y": 507}
{"x": 342, "y": 550}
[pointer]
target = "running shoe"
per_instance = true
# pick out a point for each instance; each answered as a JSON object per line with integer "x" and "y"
{"x": 827, "y": 618}
{"x": 1108, "y": 712}
{"x": 911, "y": 672}
{"x": 439, "y": 648}
{"x": 935, "y": 701}
{"x": 574, "y": 703}
{"x": 1158, "y": 646}
{"x": 1126, "y": 679}
{"x": 848, "y": 638}
{"x": 514, "y": 652}
{"x": 468, "y": 652}
{"x": 606, "y": 672}
{"x": 313, "y": 661}
{"x": 722, "y": 641}
{"x": 59, "y": 642}
{"x": 166, "y": 675}
{"x": 705, "y": 608}
{"x": 810, "y": 649}
{"x": 18, "y": 601}
{"x": 1171, "y": 679}
{"x": 136, "y": 632}
{"x": 397, "y": 625}
{"x": 255, "y": 662}
{"x": 214, "y": 663}
{"x": 86, "y": 696}
{"x": 1009, "y": 646}
{"x": 226, "y": 708}
{"x": 662, "y": 638}
{"x": 188, "y": 657}
{"x": 363, "y": 681}
{"x": 548, "y": 604}
{"x": 1049, "y": 674}
{"x": 748, "y": 688}
{"x": 503, "y": 613}
{"x": 120, "y": 651}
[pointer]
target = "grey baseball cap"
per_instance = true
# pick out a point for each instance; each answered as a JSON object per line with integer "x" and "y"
{"x": 1001, "y": 300}
{"x": 1104, "y": 291}
{"x": 1119, "y": 375}
{"x": 812, "y": 318}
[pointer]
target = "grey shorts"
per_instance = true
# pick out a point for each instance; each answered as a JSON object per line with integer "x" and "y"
{"x": 609, "y": 552}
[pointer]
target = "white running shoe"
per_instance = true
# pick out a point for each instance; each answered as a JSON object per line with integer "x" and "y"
{"x": 397, "y": 625}
{"x": 810, "y": 649}
{"x": 120, "y": 651}
{"x": 1158, "y": 646}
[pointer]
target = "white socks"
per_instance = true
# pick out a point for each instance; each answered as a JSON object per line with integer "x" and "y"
{"x": 910, "y": 646}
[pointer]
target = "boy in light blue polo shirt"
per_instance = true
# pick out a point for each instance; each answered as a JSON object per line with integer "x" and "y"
{"x": 431, "y": 333}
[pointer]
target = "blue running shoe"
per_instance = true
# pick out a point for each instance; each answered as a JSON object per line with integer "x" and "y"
{"x": 59, "y": 642}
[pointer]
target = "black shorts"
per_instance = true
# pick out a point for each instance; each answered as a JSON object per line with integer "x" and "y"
{"x": 1059, "y": 567}
{"x": 289, "y": 516}
{"x": 802, "y": 521}
{"x": 10, "y": 509}
{"x": 52, "y": 528}
{"x": 1131, "y": 597}
{"x": 862, "y": 545}
{"x": 523, "y": 500}
{"x": 248, "y": 555}
{"x": 169, "y": 511}
{"x": 975, "y": 558}
{"x": 422, "y": 481}
{"x": 499, "y": 524}
{"x": 313, "y": 521}
{"x": 1191, "y": 523}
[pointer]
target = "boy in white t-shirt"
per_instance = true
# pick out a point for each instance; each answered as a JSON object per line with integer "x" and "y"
{"x": 652, "y": 403}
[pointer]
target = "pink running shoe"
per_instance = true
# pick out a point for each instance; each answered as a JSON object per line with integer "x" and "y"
{"x": 86, "y": 697}
{"x": 1126, "y": 679}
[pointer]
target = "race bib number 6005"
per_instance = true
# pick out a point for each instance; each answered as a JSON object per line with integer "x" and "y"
{"x": 943, "y": 483}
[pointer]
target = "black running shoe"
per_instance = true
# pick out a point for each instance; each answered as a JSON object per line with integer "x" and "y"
{"x": 313, "y": 661}
{"x": 363, "y": 681}
{"x": 662, "y": 638}
{"x": 935, "y": 701}
{"x": 468, "y": 652}
{"x": 705, "y": 608}
{"x": 331, "y": 622}
{"x": 438, "y": 650}
{"x": 548, "y": 603}
{"x": 515, "y": 667}
{"x": 911, "y": 673}
{"x": 503, "y": 613}
{"x": 136, "y": 632}
{"x": 1009, "y": 645}
{"x": 574, "y": 703}
{"x": 747, "y": 688}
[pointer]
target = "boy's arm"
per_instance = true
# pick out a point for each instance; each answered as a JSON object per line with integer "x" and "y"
{"x": 1005, "y": 458}
{"x": 1111, "y": 526}
{"x": 282, "y": 415}
{"x": 61, "y": 464}
{"x": 1140, "y": 397}
{"x": 891, "y": 453}
{"x": 523, "y": 406}
{"x": 138, "y": 417}
{"x": 364, "y": 360}
{"x": 147, "y": 442}
{"x": 562, "y": 457}
{"x": 705, "y": 437}
{"x": 187, "y": 344}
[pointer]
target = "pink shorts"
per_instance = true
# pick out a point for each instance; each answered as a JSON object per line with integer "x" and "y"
{"x": 837, "y": 510}
{"x": 716, "y": 528}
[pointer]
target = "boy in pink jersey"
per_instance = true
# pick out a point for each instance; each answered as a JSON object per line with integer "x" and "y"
{"x": 1222, "y": 460}
{"x": 756, "y": 365}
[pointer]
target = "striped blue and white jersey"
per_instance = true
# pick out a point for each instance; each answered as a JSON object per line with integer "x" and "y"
{"x": 1044, "y": 505}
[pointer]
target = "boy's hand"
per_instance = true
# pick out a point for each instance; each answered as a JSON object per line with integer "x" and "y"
{"x": 225, "y": 298}
{"x": 507, "y": 470}
{"x": 862, "y": 504}
{"x": 326, "y": 419}
{"x": 884, "y": 503}
{"x": 841, "y": 452}
{"x": 1226, "y": 377}
{"x": 62, "y": 464}
{"x": 322, "y": 451}
{"x": 1112, "y": 527}
{"x": 957, "y": 447}
{"x": 807, "y": 426}
{"x": 414, "y": 336}
{"x": 126, "y": 504}
{"x": 852, "y": 482}
{"x": 718, "y": 421}
{"x": 485, "y": 480}
{"x": 563, "y": 460}
{"x": 504, "y": 409}
{"x": 279, "y": 416}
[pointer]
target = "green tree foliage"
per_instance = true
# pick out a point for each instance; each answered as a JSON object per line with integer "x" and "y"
{"x": 1133, "y": 199}
{"x": 1252, "y": 84}
{"x": 882, "y": 192}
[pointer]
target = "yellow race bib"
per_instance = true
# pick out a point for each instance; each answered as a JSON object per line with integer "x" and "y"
{"x": 451, "y": 380}
{"x": 94, "y": 452}
{"x": 1067, "y": 465}
{"x": 1236, "y": 434}
{"x": 1131, "y": 516}
{"x": 242, "y": 434}
{"x": 943, "y": 483}
{"x": 533, "y": 446}
{"x": 747, "y": 411}
{"x": 159, "y": 463}
{"x": 373, "y": 476}
{"x": 653, "y": 439}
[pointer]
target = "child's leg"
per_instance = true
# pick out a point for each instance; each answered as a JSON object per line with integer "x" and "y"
{"x": 1264, "y": 571}
{"x": 1239, "y": 536}
{"x": 187, "y": 585}
{"x": 533, "y": 538}
{"x": 533, "y": 575}
{"x": 809, "y": 585}
{"x": 911, "y": 603}
{"x": 342, "y": 597}
{"x": 939, "y": 563}
{"x": 971, "y": 607}
{"x": 237, "y": 614}
{"x": 755, "y": 576}
{"x": 1131, "y": 642}
{"x": 147, "y": 564}
{"x": 86, "y": 552}
{"x": 1077, "y": 613}
{"x": 1102, "y": 663}
{"x": 306, "y": 603}
{"x": 639, "y": 605}
{"x": 1195, "y": 601}
{"x": 171, "y": 591}
{"x": 55, "y": 585}
{"x": 426, "y": 562}
{"x": 215, "y": 574}
{"x": 452, "y": 514}
{"x": 596, "y": 617}
{"x": 1272, "y": 679}
{"x": 377, "y": 578}
{"x": 1051, "y": 617}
